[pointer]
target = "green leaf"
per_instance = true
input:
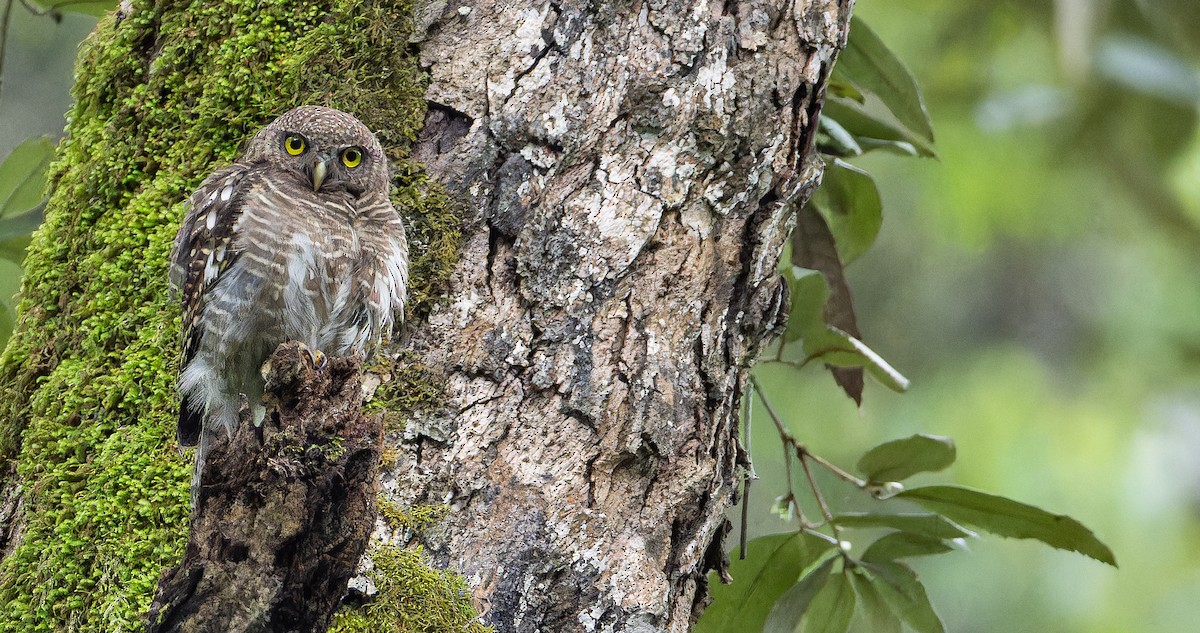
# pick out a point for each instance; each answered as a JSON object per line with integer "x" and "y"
{"x": 822, "y": 310}
{"x": 879, "y": 368}
{"x": 14, "y": 249}
{"x": 813, "y": 246}
{"x": 839, "y": 87}
{"x": 898, "y": 460}
{"x": 931, "y": 525}
{"x": 838, "y": 348}
{"x": 20, "y": 225}
{"x": 1005, "y": 517}
{"x": 832, "y": 609}
{"x": 904, "y": 545}
{"x": 871, "y": 66}
{"x": 902, "y": 590}
{"x": 792, "y": 605}
{"x": 879, "y": 614}
{"x": 836, "y": 140}
{"x": 771, "y": 566}
{"x": 850, "y": 202}
{"x": 809, "y": 293}
{"x": 10, "y": 284}
{"x": 23, "y": 177}
{"x": 900, "y": 148}
{"x": 865, "y": 124}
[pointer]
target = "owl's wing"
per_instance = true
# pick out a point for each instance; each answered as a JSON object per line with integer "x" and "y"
{"x": 384, "y": 279}
{"x": 203, "y": 250}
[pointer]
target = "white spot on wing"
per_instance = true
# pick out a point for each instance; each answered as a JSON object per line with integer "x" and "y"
{"x": 210, "y": 270}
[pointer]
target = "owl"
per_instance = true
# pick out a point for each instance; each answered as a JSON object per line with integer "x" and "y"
{"x": 297, "y": 240}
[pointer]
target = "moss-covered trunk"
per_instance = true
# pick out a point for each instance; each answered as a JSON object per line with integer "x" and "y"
{"x": 593, "y": 270}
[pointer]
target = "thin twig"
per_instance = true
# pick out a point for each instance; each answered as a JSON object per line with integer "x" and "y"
{"x": 790, "y": 363}
{"x": 50, "y": 8}
{"x": 791, "y": 493}
{"x": 790, "y": 448}
{"x": 745, "y": 518}
{"x": 785, "y": 438}
{"x": 779, "y": 426}
{"x": 746, "y": 431}
{"x": 747, "y": 478}
{"x": 803, "y": 454}
{"x": 833, "y": 468}
{"x": 4, "y": 37}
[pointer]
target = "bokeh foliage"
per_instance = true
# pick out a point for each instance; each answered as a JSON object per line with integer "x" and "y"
{"x": 838, "y": 565}
{"x": 1038, "y": 284}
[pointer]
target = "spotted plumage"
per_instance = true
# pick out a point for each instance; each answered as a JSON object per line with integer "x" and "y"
{"x": 297, "y": 240}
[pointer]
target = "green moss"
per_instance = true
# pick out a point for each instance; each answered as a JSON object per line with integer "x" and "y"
{"x": 87, "y": 402}
{"x": 434, "y": 236}
{"x": 416, "y": 518}
{"x": 413, "y": 387}
{"x": 412, "y": 598}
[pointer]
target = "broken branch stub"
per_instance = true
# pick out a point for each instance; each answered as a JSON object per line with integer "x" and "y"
{"x": 285, "y": 510}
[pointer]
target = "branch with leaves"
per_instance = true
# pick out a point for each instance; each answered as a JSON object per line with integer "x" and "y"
{"x": 812, "y": 579}
{"x": 819, "y": 575}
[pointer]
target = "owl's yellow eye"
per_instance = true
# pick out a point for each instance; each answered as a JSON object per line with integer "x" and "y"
{"x": 294, "y": 145}
{"x": 351, "y": 157}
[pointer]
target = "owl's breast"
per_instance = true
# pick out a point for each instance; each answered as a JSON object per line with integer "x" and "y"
{"x": 319, "y": 303}
{"x": 311, "y": 272}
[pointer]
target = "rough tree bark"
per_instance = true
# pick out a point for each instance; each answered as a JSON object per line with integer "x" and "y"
{"x": 631, "y": 172}
{"x": 627, "y": 173}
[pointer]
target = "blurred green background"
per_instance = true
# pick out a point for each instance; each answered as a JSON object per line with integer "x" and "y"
{"x": 39, "y": 53}
{"x": 1039, "y": 284}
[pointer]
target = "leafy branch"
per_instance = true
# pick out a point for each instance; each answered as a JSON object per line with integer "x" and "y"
{"x": 820, "y": 575}
{"x": 824, "y": 581}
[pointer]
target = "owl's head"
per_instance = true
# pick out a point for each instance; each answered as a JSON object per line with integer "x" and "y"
{"x": 326, "y": 149}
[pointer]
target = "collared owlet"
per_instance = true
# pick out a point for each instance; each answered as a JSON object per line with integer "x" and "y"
{"x": 297, "y": 240}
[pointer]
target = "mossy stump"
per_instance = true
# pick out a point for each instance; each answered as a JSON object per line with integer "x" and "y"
{"x": 284, "y": 511}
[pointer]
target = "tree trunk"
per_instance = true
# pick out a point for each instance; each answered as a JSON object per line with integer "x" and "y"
{"x": 624, "y": 178}
{"x": 630, "y": 174}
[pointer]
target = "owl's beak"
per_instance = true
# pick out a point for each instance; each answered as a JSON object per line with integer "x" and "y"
{"x": 319, "y": 171}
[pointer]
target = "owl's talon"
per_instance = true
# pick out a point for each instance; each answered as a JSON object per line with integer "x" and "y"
{"x": 317, "y": 358}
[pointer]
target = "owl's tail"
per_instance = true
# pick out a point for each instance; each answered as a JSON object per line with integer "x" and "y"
{"x": 203, "y": 444}
{"x": 191, "y": 420}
